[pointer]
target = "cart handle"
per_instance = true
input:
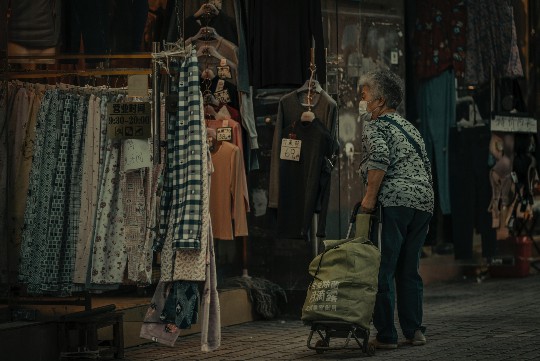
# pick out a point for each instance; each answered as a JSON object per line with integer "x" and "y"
{"x": 355, "y": 211}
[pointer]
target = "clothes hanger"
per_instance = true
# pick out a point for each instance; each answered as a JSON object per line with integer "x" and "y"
{"x": 211, "y": 138}
{"x": 310, "y": 84}
{"x": 209, "y": 51}
{"x": 210, "y": 99}
{"x": 309, "y": 116}
{"x": 209, "y": 112}
{"x": 204, "y": 33}
{"x": 209, "y": 104}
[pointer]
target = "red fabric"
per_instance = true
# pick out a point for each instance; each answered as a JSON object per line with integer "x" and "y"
{"x": 440, "y": 37}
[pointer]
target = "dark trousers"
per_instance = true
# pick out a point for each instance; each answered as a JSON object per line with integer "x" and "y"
{"x": 470, "y": 191}
{"x": 403, "y": 234}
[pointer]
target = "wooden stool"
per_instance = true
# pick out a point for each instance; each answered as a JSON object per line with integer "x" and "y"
{"x": 87, "y": 324}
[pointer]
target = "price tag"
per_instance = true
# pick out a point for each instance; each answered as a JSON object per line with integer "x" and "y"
{"x": 394, "y": 57}
{"x": 223, "y": 96}
{"x": 137, "y": 154}
{"x": 290, "y": 149}
{"x": 224, "y": 72}
{"x": 224, "y": 134}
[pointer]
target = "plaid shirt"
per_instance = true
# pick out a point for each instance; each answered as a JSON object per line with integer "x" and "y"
{"x": 181, "y": 201}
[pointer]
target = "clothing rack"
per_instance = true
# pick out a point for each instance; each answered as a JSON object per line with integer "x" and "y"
{"x": 80, "y": 298}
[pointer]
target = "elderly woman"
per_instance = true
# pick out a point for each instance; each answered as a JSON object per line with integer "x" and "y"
{"x": 397, "y": 174}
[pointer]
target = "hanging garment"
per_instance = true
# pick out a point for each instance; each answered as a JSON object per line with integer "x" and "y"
{"x": 210, "y": 310}
{"x": 59, "y": 249}
{"x": 275, "y": 60}
{"x": 228, "y": 198}
{"x": 224, "y": 91}
{"x": 222, "y": 46}
{"x": 182, "y": 305}
{"x": 304, "y": 185}
{"x": 42, "y": 31}
{"x": 437, "y": 108}
{"x": 153, "y": 327}
{"x": 39, "y": 179}
{"x": 182, "y": 194}
{"x": 47, "y": 230}
{"x": 491, "y": 42}
{"x": 109, "y": 257}
{"x": 135, "y": 216}
{"x": 471, "y": 191}
{"x": 87, "y": 21}
{"x": 248, "y": 119}
{"x": 4, "y": 268}
{"x": 20, "y": 172}
{"x": 235, "y": 128}
{"x": 240, "y": 12}
{"x": 440, "y": 37}
{"x": 89, "y": 190}
{"x": 216, "y": 66}
{"x": 79, "y": 136}
{"x": 290, "y": 110}
{"x": 190, "y": 264}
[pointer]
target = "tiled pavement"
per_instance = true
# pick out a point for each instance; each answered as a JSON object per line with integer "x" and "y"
{"x": 498, "y": 319}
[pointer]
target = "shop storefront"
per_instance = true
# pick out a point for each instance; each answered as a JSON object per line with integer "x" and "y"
{"x": 153, "y": 147}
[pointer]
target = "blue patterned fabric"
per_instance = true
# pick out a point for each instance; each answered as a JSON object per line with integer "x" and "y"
{"x": 181, "y": 201}
{"x": 182, "y": 305}
{"x": 48, "y": 236}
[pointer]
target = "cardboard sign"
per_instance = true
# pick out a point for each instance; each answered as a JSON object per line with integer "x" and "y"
{"x": 138, "y": 85}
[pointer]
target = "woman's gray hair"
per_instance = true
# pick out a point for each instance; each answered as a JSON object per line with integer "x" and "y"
{"x": 384, "y": 84}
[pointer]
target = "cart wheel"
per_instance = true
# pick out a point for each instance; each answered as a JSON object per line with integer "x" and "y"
{"x": 320, "y": 343}
{"x": 371, "y": 349}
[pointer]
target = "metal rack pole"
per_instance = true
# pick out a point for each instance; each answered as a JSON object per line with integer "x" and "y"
{"x": 156, "y": 105}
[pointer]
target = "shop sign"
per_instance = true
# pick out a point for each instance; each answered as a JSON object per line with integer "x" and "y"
{"x": 129, "y": 120}
{"x": 513, "y": 124}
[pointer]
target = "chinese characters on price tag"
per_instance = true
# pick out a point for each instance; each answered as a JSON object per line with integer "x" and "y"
{"x": 224, "y": 133}
{"x": 290, "y": 149}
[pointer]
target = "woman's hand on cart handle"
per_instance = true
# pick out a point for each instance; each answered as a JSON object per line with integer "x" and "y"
{"x": 368, "y": 204}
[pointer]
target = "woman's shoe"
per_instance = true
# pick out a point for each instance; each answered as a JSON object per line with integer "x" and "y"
{"x": 418, "y": 339}
{"x": 383, "y": 345}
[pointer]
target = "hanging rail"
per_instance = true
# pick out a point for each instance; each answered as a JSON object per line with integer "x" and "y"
{"x": 82, "y": 56}
{"x": 82, "y": 73}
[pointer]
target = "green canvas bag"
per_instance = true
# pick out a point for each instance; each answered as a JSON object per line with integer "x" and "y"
{"x": 345, "y": 279}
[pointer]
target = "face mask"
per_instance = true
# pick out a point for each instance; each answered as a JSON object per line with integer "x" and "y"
{"x": 362, "y": 109}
